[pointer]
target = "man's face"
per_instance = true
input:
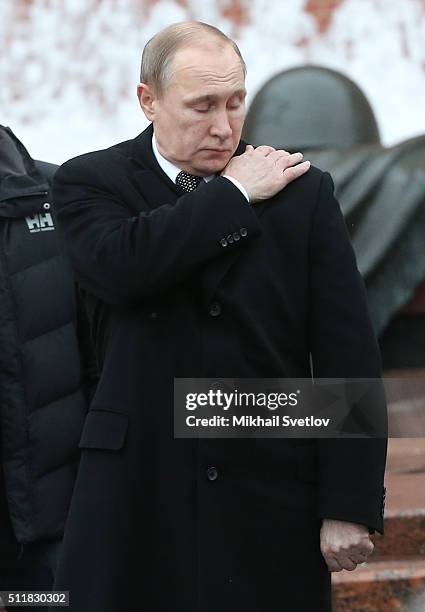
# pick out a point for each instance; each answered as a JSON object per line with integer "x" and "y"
{"x": 199, "y": 117}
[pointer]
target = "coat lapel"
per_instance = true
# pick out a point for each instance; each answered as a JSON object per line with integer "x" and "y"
{"x": 158, "y": 189}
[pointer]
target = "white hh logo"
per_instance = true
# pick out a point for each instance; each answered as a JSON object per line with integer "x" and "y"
{"x": 41, "y": 222}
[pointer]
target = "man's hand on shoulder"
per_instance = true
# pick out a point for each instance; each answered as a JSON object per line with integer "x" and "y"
{"x": 265, "y": 171}
{"x": 344, "y": 545}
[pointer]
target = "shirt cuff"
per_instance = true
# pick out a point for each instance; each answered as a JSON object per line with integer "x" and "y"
{"x": 238, "y": 185}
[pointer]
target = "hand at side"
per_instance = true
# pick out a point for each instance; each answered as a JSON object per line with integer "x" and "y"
{"x": 344, "y": 545}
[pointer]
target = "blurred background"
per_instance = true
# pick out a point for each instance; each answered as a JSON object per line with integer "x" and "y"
{"x": 68, "y": 74}
{"x": 69, "y": 68}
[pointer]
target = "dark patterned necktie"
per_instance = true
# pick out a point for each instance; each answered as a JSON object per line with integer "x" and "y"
{"x": 188, "y": 182}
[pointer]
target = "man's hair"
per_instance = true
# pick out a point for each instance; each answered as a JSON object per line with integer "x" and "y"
{"x": 160, "y": 50}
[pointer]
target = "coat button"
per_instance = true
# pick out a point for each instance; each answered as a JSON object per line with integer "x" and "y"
{"x": 212, "y": 473}
{"x": 223, "y": 242}
{"x": 243, "y": 231}
{"x": 236, "y": 235}
{"x": 46, "y": 206}
{"x": 230, "y": 238}
{"x": 215, "y": 309}
{"x": 154, "y": 315}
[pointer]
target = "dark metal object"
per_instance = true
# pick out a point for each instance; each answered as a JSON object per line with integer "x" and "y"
{"x": 310, "y": 107}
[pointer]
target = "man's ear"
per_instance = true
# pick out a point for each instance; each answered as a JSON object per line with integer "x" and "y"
{"x": 146, "y": 98}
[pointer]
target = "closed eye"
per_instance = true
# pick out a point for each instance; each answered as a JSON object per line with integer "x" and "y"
{"x": 236, "y": 103}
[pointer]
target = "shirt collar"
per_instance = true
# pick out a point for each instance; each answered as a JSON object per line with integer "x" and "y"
{"x": 170, "y": 169}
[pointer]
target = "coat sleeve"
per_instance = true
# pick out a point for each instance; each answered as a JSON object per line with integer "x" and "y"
{"x": 343, "y": 345}
{"x": 121, "y": 257}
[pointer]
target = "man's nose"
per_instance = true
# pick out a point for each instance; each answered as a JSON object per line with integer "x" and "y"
{"x": 221, "y": 125}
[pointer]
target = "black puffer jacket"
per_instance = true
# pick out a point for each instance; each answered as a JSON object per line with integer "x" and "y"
{"x": 42, "y": 401}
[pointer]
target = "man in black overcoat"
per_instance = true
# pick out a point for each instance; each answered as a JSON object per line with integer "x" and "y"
{"x": 200, "y": 256}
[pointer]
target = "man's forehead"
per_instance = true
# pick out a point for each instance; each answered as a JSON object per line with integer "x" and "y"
{"x": 203, "y": 62}
{"x": 196, "y": 98}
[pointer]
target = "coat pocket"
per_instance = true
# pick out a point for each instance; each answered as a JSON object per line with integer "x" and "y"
{"x": 104, "y": 429}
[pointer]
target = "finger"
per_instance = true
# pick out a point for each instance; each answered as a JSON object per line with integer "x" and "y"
{"x": 265, "y": 150}
{"x": 365, "y": 547}
{"x": 357, "y": 558}
{"x": 369, "y": 547}
{"x": 347, "y": 563}
{"x": 333, "y": 564}
{"x": 276, "y": 156}
{"x": 294, "y": 172}
{"x": 278, "y": 153}
{"x": 282, "y": 154}
{"x": 249, "y": 148}
{"x": 284, "y": 161}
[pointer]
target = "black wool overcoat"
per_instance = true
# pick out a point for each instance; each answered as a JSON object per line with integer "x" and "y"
{"x": 205, "y": 285}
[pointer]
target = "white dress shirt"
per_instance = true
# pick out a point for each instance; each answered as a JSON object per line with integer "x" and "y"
{"x": 172, "y": 171}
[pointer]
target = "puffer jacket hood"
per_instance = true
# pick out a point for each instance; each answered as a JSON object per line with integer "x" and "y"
{"x": 19, "y": 175}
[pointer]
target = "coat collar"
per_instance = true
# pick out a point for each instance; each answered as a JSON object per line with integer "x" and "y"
{"x": 156, "y": 186}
